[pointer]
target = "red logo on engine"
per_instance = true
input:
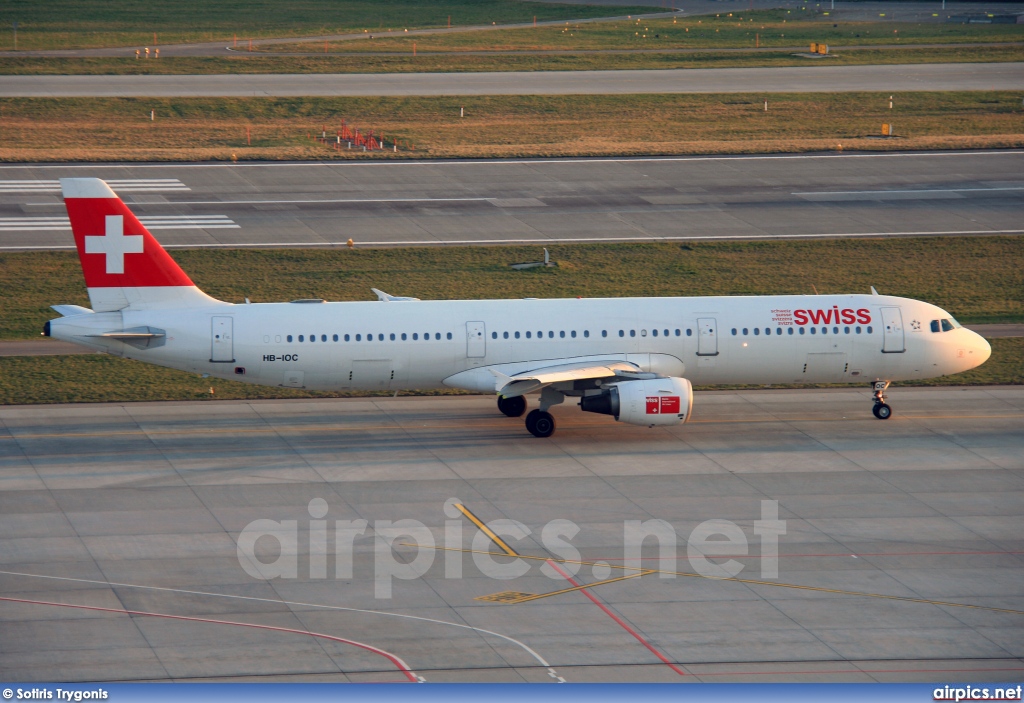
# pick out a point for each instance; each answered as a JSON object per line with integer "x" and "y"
{"x": 833, "y": 316}
{"x": 663, "y": 405}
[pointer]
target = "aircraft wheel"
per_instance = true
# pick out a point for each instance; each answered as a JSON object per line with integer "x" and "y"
{"x": 882, "y": 411}
{"x": 540, "y": 423}
{"x": 512, "y": 407}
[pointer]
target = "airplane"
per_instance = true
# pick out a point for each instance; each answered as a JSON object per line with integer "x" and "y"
{"x": 634, "y": 359}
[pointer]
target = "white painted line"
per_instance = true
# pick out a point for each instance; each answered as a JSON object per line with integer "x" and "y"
{"x": 208, "y": 594}
{"x": 37, "y": 224}
{"x": 306, "y": 202}
{"x": 922, "y": 190}
{"x": 488, "y": 162}
{"x": 540, "y": 240}
{"x": 130, "y": 185}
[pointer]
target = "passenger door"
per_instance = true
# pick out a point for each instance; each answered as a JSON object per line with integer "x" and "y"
{"x": 892, "y": 329}
{"x": 476, "y": 340}
{"x": 222, "y": 344}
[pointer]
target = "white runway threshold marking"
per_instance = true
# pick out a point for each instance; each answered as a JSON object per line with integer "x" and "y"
{"x": 56, "y": 223}
{"x": 129, "y": 185}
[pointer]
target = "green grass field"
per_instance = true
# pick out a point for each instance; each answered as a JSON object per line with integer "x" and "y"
{"x": 346, "y": 63}
{"x": 72, "y": 24}
{"x": 978, "y": 279}
{"x": 767, "y": 28}
{"x": 194, "y": 129}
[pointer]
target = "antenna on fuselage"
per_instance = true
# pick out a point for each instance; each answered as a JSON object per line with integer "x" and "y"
{"x": 873, "y": 291}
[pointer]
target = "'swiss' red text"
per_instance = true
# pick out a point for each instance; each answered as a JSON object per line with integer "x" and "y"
{"x": 832, "y": 316}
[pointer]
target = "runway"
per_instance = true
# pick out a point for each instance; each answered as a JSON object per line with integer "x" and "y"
{"x": 537, "y": 201}
{"x": 883, "y": 521}
{"x": 792, "y": 79}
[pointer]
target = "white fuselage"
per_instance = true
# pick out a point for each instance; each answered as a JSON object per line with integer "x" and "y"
{"x": 432, "y": 344}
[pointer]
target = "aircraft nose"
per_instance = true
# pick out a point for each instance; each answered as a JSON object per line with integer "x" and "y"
{"x": 980, "y": 348}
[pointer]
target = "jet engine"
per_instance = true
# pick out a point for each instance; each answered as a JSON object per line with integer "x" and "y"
{"x": 654, "y": 401}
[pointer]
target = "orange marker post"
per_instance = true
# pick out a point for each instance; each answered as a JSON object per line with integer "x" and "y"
{"x": 248, "y": 136}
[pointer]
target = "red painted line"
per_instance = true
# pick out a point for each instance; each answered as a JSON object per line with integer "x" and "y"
{"x": 402, "y": 666}
{"x": 625, "y": 626}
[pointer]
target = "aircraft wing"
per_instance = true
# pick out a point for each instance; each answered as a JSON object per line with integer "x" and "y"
{"x": 534, "y": 379}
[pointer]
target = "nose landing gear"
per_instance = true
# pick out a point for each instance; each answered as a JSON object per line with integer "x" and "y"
{"x": 881, "y": 410}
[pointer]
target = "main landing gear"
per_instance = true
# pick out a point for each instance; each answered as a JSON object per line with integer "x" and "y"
{"x": 512, "y": 407}
{"x": 539, "y": 422}
{"x": 881, "y": 410}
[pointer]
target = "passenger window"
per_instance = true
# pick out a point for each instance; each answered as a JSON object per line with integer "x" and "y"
{"x": 380, "y": 337}
{"x": 449, "y": 335}
{"x": 359, "y": 337}
{"x": 346, "y": 337}
{"x": 529, "y": 335}
{"x": 846, "y": 330}
{"x": 562, "y": 334}
{"x": 632, "y": 333}
{"x": 654, "y": 332}
{"x": 573, "y": 334}
{"x": 801, "y": 330}
{"x": 666, "y": 333}
{"x": 505, "y": 335}
{"x": 947, "y": 326}
{"x": 757, "y": 330}
{"x": 404, "y": 337}
{"x": 689, "y": 332}
{"x": 814, "y": 330}
{"x": 392, "y": 336}
{"x": 745, "y": 331}
{"x": 856, "y": 329}
{"x": 835, "y": 330}
{"x": 586, "y": 333}
{"x": 551, "y": 334}
{"x": 335, "y": 338}
{"x": 778, "y": 331}
{"x": 790, "y": 330}
{"x": 289, "y": 338}
{"x": 494, "y": 335}
{"x": 301, "y": 338}
{"x": 824, "y": 330}
{"x": 622, "y": 333}
{"x": 869, "y": 330}
{"x": 323, "y": 338}
{"x": 517, "y": 335}
{"x": 415, "y": 336}
{"x": 604, "y": 333}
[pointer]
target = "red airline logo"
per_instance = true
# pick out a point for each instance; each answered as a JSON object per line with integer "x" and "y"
{"x": 833, "y": 316}
{"x": 663, "y": 405}
{"x": 116, "y": 250}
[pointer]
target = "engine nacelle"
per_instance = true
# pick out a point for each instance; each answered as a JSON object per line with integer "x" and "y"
{"x": 655, "y": 401}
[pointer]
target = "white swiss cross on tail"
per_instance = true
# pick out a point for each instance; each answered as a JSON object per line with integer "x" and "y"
{"x": 114, "y": 244}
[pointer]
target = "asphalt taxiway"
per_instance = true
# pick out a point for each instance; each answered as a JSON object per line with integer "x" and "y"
{"x": 540, "y": 201}
{"x": 789, "y": 79}
{"x": 902, "y": 557}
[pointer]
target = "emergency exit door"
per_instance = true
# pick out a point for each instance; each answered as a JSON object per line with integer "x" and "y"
{"x": 222, "y": 343}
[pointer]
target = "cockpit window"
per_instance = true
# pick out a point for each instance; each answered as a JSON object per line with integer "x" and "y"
{"x": 947, "y": 326}
{"x": 956, "y": 324}
{"x": 935, "y": 326}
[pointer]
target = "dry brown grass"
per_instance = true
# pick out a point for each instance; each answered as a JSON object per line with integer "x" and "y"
{"x": 215, "y": 129}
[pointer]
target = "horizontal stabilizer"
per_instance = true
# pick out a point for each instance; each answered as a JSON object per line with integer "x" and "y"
{"x": 388, "y": 298}
{"x": 70, "y": 310}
